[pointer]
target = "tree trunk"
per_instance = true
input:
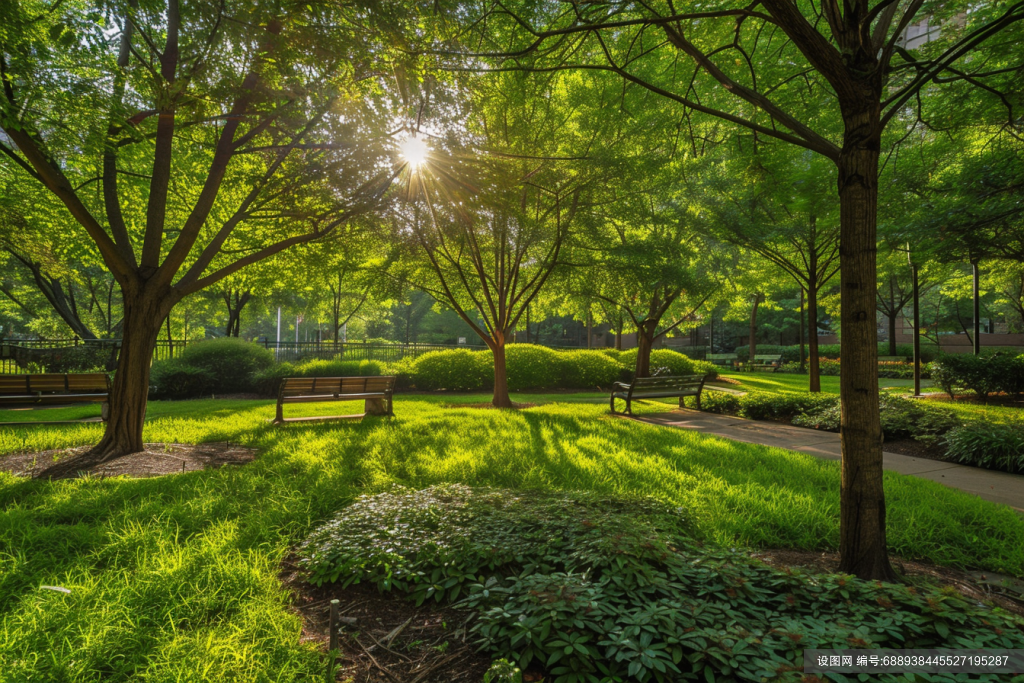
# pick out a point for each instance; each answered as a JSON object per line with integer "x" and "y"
{"x": 892, "y": 334}
{"x": 129, "y": 390}
{"x": 644, "y": 344}
{"x": 803, "y": 329}
{"x": 976, "y": 296}
{"x": 618, "y": 335}
{"x": 752, "y": 346}
{"x": 862, "y": 538}
{"x": 501, "y": 397}
{"x": 813, "y": 365}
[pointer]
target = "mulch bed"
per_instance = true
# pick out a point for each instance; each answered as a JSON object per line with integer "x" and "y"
{"x": 157, "y": 460}
{"x": 1005, "y": 591}
{"x": 386, "y": 639}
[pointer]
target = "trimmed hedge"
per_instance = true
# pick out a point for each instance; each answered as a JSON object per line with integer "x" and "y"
{"x": 983, "y": 375}
{"x": 667, "y": 362}
{"x": 266, "y": 381}
{"x": 833, "y": 351}
{"x": 225, "y": 365}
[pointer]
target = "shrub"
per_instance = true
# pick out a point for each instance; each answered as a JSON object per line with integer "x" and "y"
{"x": 663, "y": 362}
{"x": 267, "y": 381}
{"x": 454, "y": 370}
{"x": 590, "y": 369}
{"x": 762, "y": 405}
{"x": 608, "y": 589}
{"x": 533, "y": 367}
{"x": 231, "y": 363}
{"x": 984, "y": 444}
{"x": 981, "y": 374}
{"x": 719, "y": 402}
{"x": 791, "y": 354}
{"x": 901, "y": 418}
{"x": 175, "y": 379}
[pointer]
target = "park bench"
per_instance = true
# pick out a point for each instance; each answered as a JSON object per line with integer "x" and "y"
{"x": 764, "y": 362}
{"x": 55, "y": 390}
{"x": 727, "y": 359}
{"x": 658, "y": 387}
{"x": 376, "y": 392}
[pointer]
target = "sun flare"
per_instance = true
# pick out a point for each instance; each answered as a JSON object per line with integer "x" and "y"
{"x": 414, "y": 150}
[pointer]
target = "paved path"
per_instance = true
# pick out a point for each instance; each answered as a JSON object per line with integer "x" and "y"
{"x": 999, "y": 487}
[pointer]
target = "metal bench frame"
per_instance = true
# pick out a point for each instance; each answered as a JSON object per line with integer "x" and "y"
{"x": 377, "y": 392}
{"x": 768, "y": 360}
{"x": 657, "y": 387}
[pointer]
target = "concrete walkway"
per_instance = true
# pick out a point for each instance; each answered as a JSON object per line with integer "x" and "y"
{"x": 998, "y": 487}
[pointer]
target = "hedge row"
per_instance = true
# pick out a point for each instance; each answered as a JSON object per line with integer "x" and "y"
{"x": 832, "y": 351}
{"x": 234, "y": 366}
{"x": 983, "y": 375}
{"x": 886, "y": 369}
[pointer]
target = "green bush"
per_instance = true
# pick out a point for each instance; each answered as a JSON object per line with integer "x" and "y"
{"x": 453, "y": 370}
{"x": 664, "y": 362}
{"x": 983, "y": 375}
{"x": 532, "y": 367}
{"x": 901, "y": 418}
{"x": 791, "y": 354}
{"x": 985, "y": 444}
{"x": 603, "y": 589}
{"x": 719, "y": 402}
{"x": 590, "y": 370}
{"x": 174, "y": 379}
{"x": 763, "y": 405}
{"x": 231, "y": 363}
{"x": 267, "y": 381}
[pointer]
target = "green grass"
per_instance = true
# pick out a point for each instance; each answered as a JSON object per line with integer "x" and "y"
{"x": 176, "y": 578}
{"x": 793, "y": 384}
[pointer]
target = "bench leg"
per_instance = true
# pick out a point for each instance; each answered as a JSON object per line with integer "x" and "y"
{"x": 375, "y": 406}
{"x": 279, "y": 418}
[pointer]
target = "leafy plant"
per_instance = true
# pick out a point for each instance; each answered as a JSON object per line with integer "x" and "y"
{"x": 175, "y": 379}
{"x": 992, "y": 445}
{"x": 503, "y": 671}
{"x": 901, "y": 418}
{"x": 983, "y": 375}
{"x": 602, "y": 589}
{"x": 454, "y": 370}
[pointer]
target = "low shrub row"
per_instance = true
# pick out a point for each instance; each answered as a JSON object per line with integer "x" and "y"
{"x": 833, "y": 351}
{"x": 984, "y": 444}
{"x": 983, "y": 375}
{"x": 234, "y": 366}
{"x": 901, "y": 417}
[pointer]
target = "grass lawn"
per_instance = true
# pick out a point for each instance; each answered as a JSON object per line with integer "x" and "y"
{"x": 175, "y": 578}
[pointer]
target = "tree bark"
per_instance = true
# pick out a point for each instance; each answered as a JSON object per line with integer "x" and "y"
{"x": 129, "y": 390}
{"x": 501, "y": 398}
{"x": 976, "y": 296}
{"x": 813, "y": 364}
{"x": 752, "y": 346}
{"x": 862, "y": 534}
{"x": 803, "y": 331}
{"x": 644, "y": 344}
{"x": 892, "y": 333}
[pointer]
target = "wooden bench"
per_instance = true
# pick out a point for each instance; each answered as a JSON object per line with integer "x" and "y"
{"x": 658, "y": 387}
{"x": 55, "y": 390}
{"x": 377, "y": 392}
{"x": 727, "y": 359}
{"x": 763, "y": 362}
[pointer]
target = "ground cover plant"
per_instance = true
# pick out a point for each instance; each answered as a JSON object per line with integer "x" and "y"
{"x": 596, "y": 588}
{"x": 176, "y": 578}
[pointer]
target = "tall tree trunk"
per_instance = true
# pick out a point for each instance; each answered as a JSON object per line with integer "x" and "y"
{"x": 813, "y": 364}
{"x": 976, "y": 296}
{"x": 892, "y": 334}
{"x": 618, "y": 334}
{"x": 803, "y": 330}
{"x": 501, "y": 398}
{"x": 862, "y": 537}
{"x": 644, "y": 344}
{"x": 752, "y": 347}
{"x": 129, "y": 390}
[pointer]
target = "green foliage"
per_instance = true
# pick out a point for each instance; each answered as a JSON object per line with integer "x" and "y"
{"x": 901, "y": 418}
{"x": 590, "y": 369}
{"x": 266, "y": 381}
{"x": 665, "y": 362}
{"x": 83, "y": 358}
{"x": 453, "y": 370}
{"x": 533, "y": 367}
{"x": 175, "y": 379}
{"x": 983, "y": 444}
{"x": 599, "y": 589}
{"x": 231, "y": 362}
{"x": 763, "y": 405}
{"x": 503, "y": 671}
{"x": 833, "y": 351}
{"x": 983, "y": 375}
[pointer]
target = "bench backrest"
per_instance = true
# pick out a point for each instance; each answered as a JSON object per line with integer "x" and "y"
{"x": 642, "y": 385}
{"x": 722, "y": 356}
{"x": 329, "y": 386}
{"x": 769, "y": 358}
{"x": 80, "y": 383}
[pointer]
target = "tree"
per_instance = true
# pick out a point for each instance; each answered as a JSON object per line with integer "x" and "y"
{"x": 776, "y": 204}
{"x": 217, "y": 134}
{"x": 762, "y": 67}
{"x": 895, "y": 291}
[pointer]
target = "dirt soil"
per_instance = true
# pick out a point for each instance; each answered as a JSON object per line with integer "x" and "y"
{"x": 1005, "y": 591}
{"x": 386, "y": 639}
{"x": 157, "y": 460}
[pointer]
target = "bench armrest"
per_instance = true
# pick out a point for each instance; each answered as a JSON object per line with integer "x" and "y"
{"x": 621, "y": 385}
